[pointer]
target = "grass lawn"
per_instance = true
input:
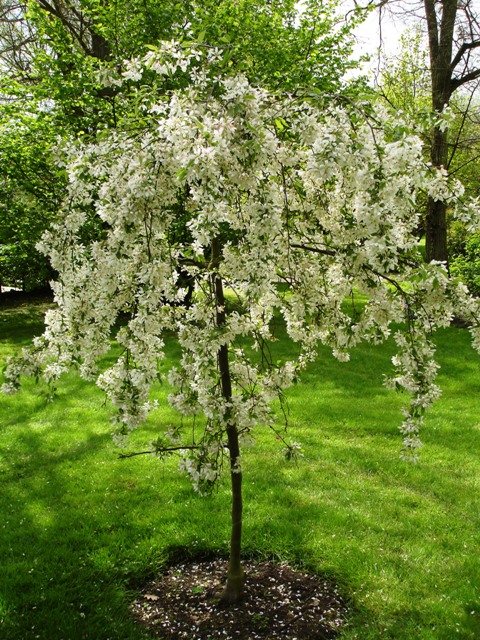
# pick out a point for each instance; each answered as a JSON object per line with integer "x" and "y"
{"x": 81, "y": 528}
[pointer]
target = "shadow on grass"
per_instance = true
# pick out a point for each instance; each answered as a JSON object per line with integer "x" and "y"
{"x": 19, "y": 324}
{"x": 48, "y": 586}
{"x": 67, "y": 529}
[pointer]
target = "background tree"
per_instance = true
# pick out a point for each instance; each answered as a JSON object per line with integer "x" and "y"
{"x": 292, "y": 208}
{"x": 54, "y": 54}
{"x": 404, "y": 84}
{"x": 403, "y": 79}
{"x": 32, "y": 192}
{"x": 453, "y": 36}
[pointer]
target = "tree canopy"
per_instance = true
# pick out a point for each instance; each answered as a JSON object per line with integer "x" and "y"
{"x": 291, "y": 207}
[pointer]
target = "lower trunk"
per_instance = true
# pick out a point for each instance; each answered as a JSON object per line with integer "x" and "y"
{"x": 235, "y": 580}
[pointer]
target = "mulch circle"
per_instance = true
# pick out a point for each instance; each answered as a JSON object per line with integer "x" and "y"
{"x": 279, "y": 602}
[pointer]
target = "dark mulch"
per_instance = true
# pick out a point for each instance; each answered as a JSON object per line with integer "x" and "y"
{"x": 279, "y": 602}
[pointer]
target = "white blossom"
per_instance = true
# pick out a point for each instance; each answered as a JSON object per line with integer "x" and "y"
{"x": 304, "y": 219}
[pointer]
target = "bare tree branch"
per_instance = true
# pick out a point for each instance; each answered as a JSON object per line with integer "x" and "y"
{"x": 469, "y": 77}
{"x": 466, "y": 46}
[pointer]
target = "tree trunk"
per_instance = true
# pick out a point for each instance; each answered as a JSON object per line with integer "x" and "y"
{"x": 436, "y": 216}
{"x": 440, "y": 43}
{"x": 235, "y": 578}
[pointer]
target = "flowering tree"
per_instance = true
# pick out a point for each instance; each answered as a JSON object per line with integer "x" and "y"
{"x": 289, "y": 208}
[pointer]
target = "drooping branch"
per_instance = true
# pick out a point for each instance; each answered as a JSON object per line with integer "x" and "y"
{"x": 215, "y": 379}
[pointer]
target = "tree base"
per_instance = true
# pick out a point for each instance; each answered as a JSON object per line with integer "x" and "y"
{"x": 233, "y": 591}
{"x": 203, "y": 617}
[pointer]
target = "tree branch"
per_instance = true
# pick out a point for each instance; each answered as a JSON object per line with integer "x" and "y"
{"x": 466, "y": 46}
{"x": 155, "y": 451}
{"x": 432, "y": 27}
{"x": 325, "y": 252}
{"x": 460, "y": 130}
{"x": 57, "y": 12}
{"x": 458, "y": 82}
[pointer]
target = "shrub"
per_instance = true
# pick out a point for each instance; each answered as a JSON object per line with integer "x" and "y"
{"x": 467, "y": 266}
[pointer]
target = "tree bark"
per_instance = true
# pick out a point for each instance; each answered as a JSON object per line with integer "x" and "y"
{"x": 235, "y": 577}
{"x": 440, "y": 42}
{"x": 436, "y": 216}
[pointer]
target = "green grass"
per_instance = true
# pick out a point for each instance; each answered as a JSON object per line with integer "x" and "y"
{"x": 80, "y": 528}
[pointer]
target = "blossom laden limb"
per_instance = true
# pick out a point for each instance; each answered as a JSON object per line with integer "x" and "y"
{"x": 291, "y": 206}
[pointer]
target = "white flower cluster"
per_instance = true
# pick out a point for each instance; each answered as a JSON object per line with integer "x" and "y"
{"x": 307, "y": 206}
{"x": 201, "y": 469}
